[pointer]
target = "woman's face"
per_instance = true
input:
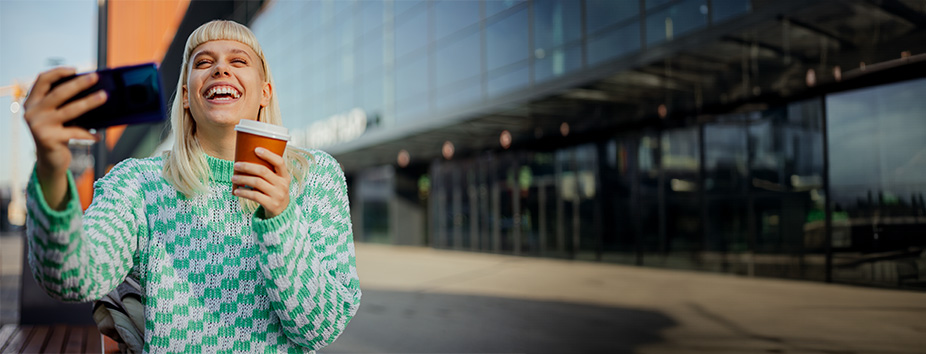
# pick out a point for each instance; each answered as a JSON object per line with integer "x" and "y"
{"x": 224, "y": 84}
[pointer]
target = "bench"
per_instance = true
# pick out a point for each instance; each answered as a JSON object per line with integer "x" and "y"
{"x": 50, "y": 339}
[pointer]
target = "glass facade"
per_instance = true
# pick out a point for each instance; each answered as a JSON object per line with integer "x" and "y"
{"x": 738, "y": 193}
{"x": 407, "y": 61}
{"x": 724, "y": 156}
{"x": 878, "y": 183}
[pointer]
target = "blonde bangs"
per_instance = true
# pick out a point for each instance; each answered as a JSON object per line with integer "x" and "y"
{"x": 185, "y": 165}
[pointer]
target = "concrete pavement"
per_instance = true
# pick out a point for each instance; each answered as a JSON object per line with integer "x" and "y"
{"x": 426, "y": 300}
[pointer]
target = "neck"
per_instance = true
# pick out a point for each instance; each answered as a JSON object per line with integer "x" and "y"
{"x": 218, "y": 142}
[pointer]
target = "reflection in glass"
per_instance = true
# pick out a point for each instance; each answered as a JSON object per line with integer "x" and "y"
{"x": 614, "y": 43}
{"x": 675, "y": 21}
{"x": 371, "y": 15}
{"x": 552, "y": 63}
{"x": 504, "y": 83}
{"x": 506, "y": 40}
{"x": 411, "y": 33}
{"x": 371, "y": 52}
{"x": 601, "y": 14}
{"x": 465, "y": 92}
{"x": 727, "y": 9}
{"x": 556, "y": 22}
{"x": 403, "y": 6}
{"x": 495, "y": 6}
{"x": 458, "y": 60}
{"x": 877, "y": 168}
{"x": 452, "y": 16}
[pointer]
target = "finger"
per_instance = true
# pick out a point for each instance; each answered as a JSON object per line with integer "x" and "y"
{"x": 250, "y": 168}
{"x": 254, "y": 182}
{"x": 43, "y": 84}
{"x": 275, "y": 160}
{"x": 256, "y": 196}
{"x": 75, "y": 109}
{"x": 79, "y": 133}
{"x": 61, "y": 93}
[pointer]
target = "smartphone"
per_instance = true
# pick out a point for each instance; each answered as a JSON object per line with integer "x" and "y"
{"x": 133, "y": 96}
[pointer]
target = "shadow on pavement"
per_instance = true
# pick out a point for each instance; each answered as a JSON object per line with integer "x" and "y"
{"x": 410, "y": 322}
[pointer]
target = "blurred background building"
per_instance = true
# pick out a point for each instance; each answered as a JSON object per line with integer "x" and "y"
{"x": 769, "y": 138}
{"x": 691, "y": 134}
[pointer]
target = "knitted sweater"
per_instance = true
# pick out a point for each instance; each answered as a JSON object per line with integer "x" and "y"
{"x": 215, "y": 279}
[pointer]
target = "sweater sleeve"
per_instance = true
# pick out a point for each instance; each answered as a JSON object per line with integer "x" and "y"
{"x": 79, "y": 258}
{"x": 307, "y": 259}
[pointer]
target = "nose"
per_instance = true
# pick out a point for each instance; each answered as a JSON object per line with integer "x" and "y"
{"x": 220, "y": 70}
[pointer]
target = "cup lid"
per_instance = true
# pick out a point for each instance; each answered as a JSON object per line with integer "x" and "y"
{"x": 264, "y": 129}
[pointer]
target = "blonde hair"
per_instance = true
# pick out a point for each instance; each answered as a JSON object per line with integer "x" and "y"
{"x": 185, "y": 164}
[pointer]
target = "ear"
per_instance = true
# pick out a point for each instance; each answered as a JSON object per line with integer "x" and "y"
{"x": 266, "y": 93}
{"x": 186, "y": 98}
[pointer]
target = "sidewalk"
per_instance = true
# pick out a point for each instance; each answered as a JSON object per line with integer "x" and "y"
{"x": 426, "y": 300}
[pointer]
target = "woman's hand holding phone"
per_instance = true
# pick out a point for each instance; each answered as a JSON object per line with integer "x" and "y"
{"x": 45, "y": 114}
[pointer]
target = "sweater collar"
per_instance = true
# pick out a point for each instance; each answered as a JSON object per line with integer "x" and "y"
{"x": 219, "y": 169}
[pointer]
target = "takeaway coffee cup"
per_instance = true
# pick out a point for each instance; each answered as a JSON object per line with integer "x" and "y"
{"x": 253, "y": 134}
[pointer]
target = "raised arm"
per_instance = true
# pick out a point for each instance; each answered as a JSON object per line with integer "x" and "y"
{"x": 78, "y": 258}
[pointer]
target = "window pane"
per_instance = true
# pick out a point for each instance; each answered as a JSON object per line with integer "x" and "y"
{"x": 876, "y": 139}
{"x": 507, "y": 40}
{"x": 401, "y": 6}
{"x": 342, "y": 5}
{"x": 556, "y": 62}
{"x": 371, "y": 15}
{"x": 499, "y": 84}
{"x": 614, "y": 43}
{"x": 676, "y": 21}
{"x": 372, "y": 92}
{"x": 496, "y": 6}
{"x": 411, "y": 33}
{"x": 458, "y": 60}
{"x": 452, "y": 16}
{"x": 725, "y": 156}
{"x": 410, "y": 109}
{"x": 411, "y": 79}
{"x": 371, "y": 52}
{"x": 344, "y": 31}
{"x": 556, "y": 22}
{"x": 457, "y": 95}
{"x": 725, "y": 9}
{"x": 877, "y": 168}
{"x": 603, "y": 13}
{"x": 650, "y": 4}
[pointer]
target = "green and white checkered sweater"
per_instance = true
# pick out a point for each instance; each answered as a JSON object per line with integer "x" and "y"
{"x": 215, "y": 278}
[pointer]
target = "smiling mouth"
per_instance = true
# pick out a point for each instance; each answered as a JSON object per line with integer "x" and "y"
{"x": 222, "y": 93}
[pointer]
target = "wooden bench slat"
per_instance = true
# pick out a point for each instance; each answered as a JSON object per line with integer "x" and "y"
{"x": 93, "y": 343}
{"x": 75, "y": 341}
{"x": 5, "y": 333}
{"x": 56, "y": 339}
{"x": 37, "y": 340}
{"x": 18, "y": 340}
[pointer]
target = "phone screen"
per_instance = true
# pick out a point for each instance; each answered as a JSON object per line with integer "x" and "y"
{"x": 134, "y": 96}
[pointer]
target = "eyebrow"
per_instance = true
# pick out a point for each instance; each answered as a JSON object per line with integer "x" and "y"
{"x": 211, "y": 53}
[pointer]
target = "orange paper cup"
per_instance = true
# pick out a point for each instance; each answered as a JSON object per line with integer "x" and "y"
{"x": 253, "y": 134}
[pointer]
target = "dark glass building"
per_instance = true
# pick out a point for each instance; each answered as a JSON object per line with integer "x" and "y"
{"x": 771, "y": 138}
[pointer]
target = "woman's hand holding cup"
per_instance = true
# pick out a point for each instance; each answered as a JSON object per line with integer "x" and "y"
{"x": 45, "y": 114}
{"x": 269, "y": 188}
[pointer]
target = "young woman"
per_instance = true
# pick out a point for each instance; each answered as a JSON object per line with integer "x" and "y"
{"x": 270, "y": 269}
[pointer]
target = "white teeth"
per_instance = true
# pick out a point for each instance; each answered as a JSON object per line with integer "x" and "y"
{"x": 223, "y": 90}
